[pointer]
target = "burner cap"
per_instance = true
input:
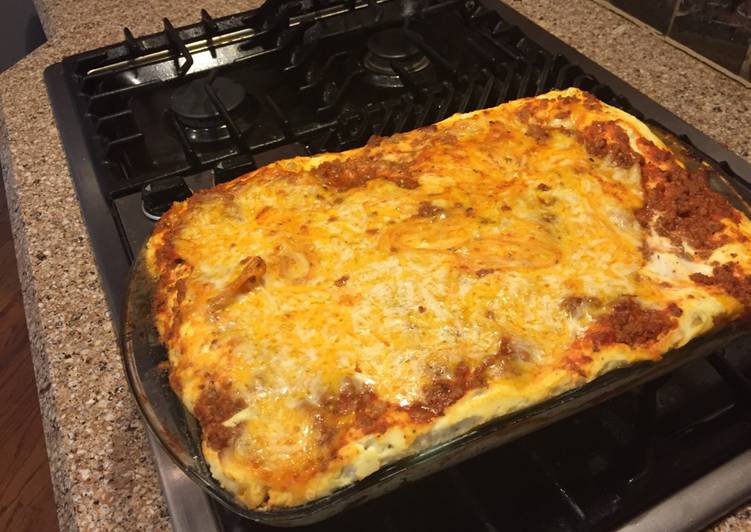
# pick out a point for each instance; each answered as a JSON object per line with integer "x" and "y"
{"x": 392, "y": 45}
{"x": 194, "y": 108}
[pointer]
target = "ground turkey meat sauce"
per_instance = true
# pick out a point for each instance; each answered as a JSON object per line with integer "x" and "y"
{"x": 216, "y": 405}
{"x": 731, "y": 278}
{"x": 355, "y": 406}
{"x": 628, "y": 322}
{"x": 369, "y": 163}
{"x": 607, "y": 140}
{"x": 343, "y": 174}
{"x": 681, "y": 204}
{"x": 444, "y": 391}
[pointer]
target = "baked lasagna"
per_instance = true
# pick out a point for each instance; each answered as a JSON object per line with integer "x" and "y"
{"x": 327, "y": 315}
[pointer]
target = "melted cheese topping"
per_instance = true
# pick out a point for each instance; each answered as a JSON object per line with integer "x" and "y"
{"x": 386, "y": 288}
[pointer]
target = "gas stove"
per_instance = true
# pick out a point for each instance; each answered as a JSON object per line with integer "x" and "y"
{"x": 153, "y": 119}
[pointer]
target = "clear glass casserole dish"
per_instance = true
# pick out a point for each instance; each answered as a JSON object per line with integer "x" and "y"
{"x": 145, "y": 361}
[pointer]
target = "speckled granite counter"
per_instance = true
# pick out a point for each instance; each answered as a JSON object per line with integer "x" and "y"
{"x": 101, "y": 465}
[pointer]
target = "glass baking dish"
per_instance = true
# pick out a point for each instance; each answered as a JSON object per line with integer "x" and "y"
{"x": 145, "y": 362}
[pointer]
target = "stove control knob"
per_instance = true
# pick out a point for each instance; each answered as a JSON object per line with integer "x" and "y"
{"x": 158, "y": 197}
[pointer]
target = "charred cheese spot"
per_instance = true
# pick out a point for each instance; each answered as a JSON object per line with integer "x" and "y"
{"x": 366, "y": 304}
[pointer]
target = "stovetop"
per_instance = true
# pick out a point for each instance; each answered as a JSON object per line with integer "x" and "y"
{"x": 153, "y": 119}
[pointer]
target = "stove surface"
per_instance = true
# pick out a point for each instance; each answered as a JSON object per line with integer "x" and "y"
{"x": 154, "y": 119}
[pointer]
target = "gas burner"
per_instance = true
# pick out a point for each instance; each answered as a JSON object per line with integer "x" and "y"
{"x": 196, "y": 111}
{"x": 389, "y": 51}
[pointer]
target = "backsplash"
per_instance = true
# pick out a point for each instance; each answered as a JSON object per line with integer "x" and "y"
{"x": 719, "y": 30}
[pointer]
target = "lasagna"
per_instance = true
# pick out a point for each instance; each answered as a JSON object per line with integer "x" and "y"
{"x": 325, "y": 316}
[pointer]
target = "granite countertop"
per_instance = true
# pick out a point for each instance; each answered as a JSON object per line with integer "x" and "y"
{"x": 102, "y": 469}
